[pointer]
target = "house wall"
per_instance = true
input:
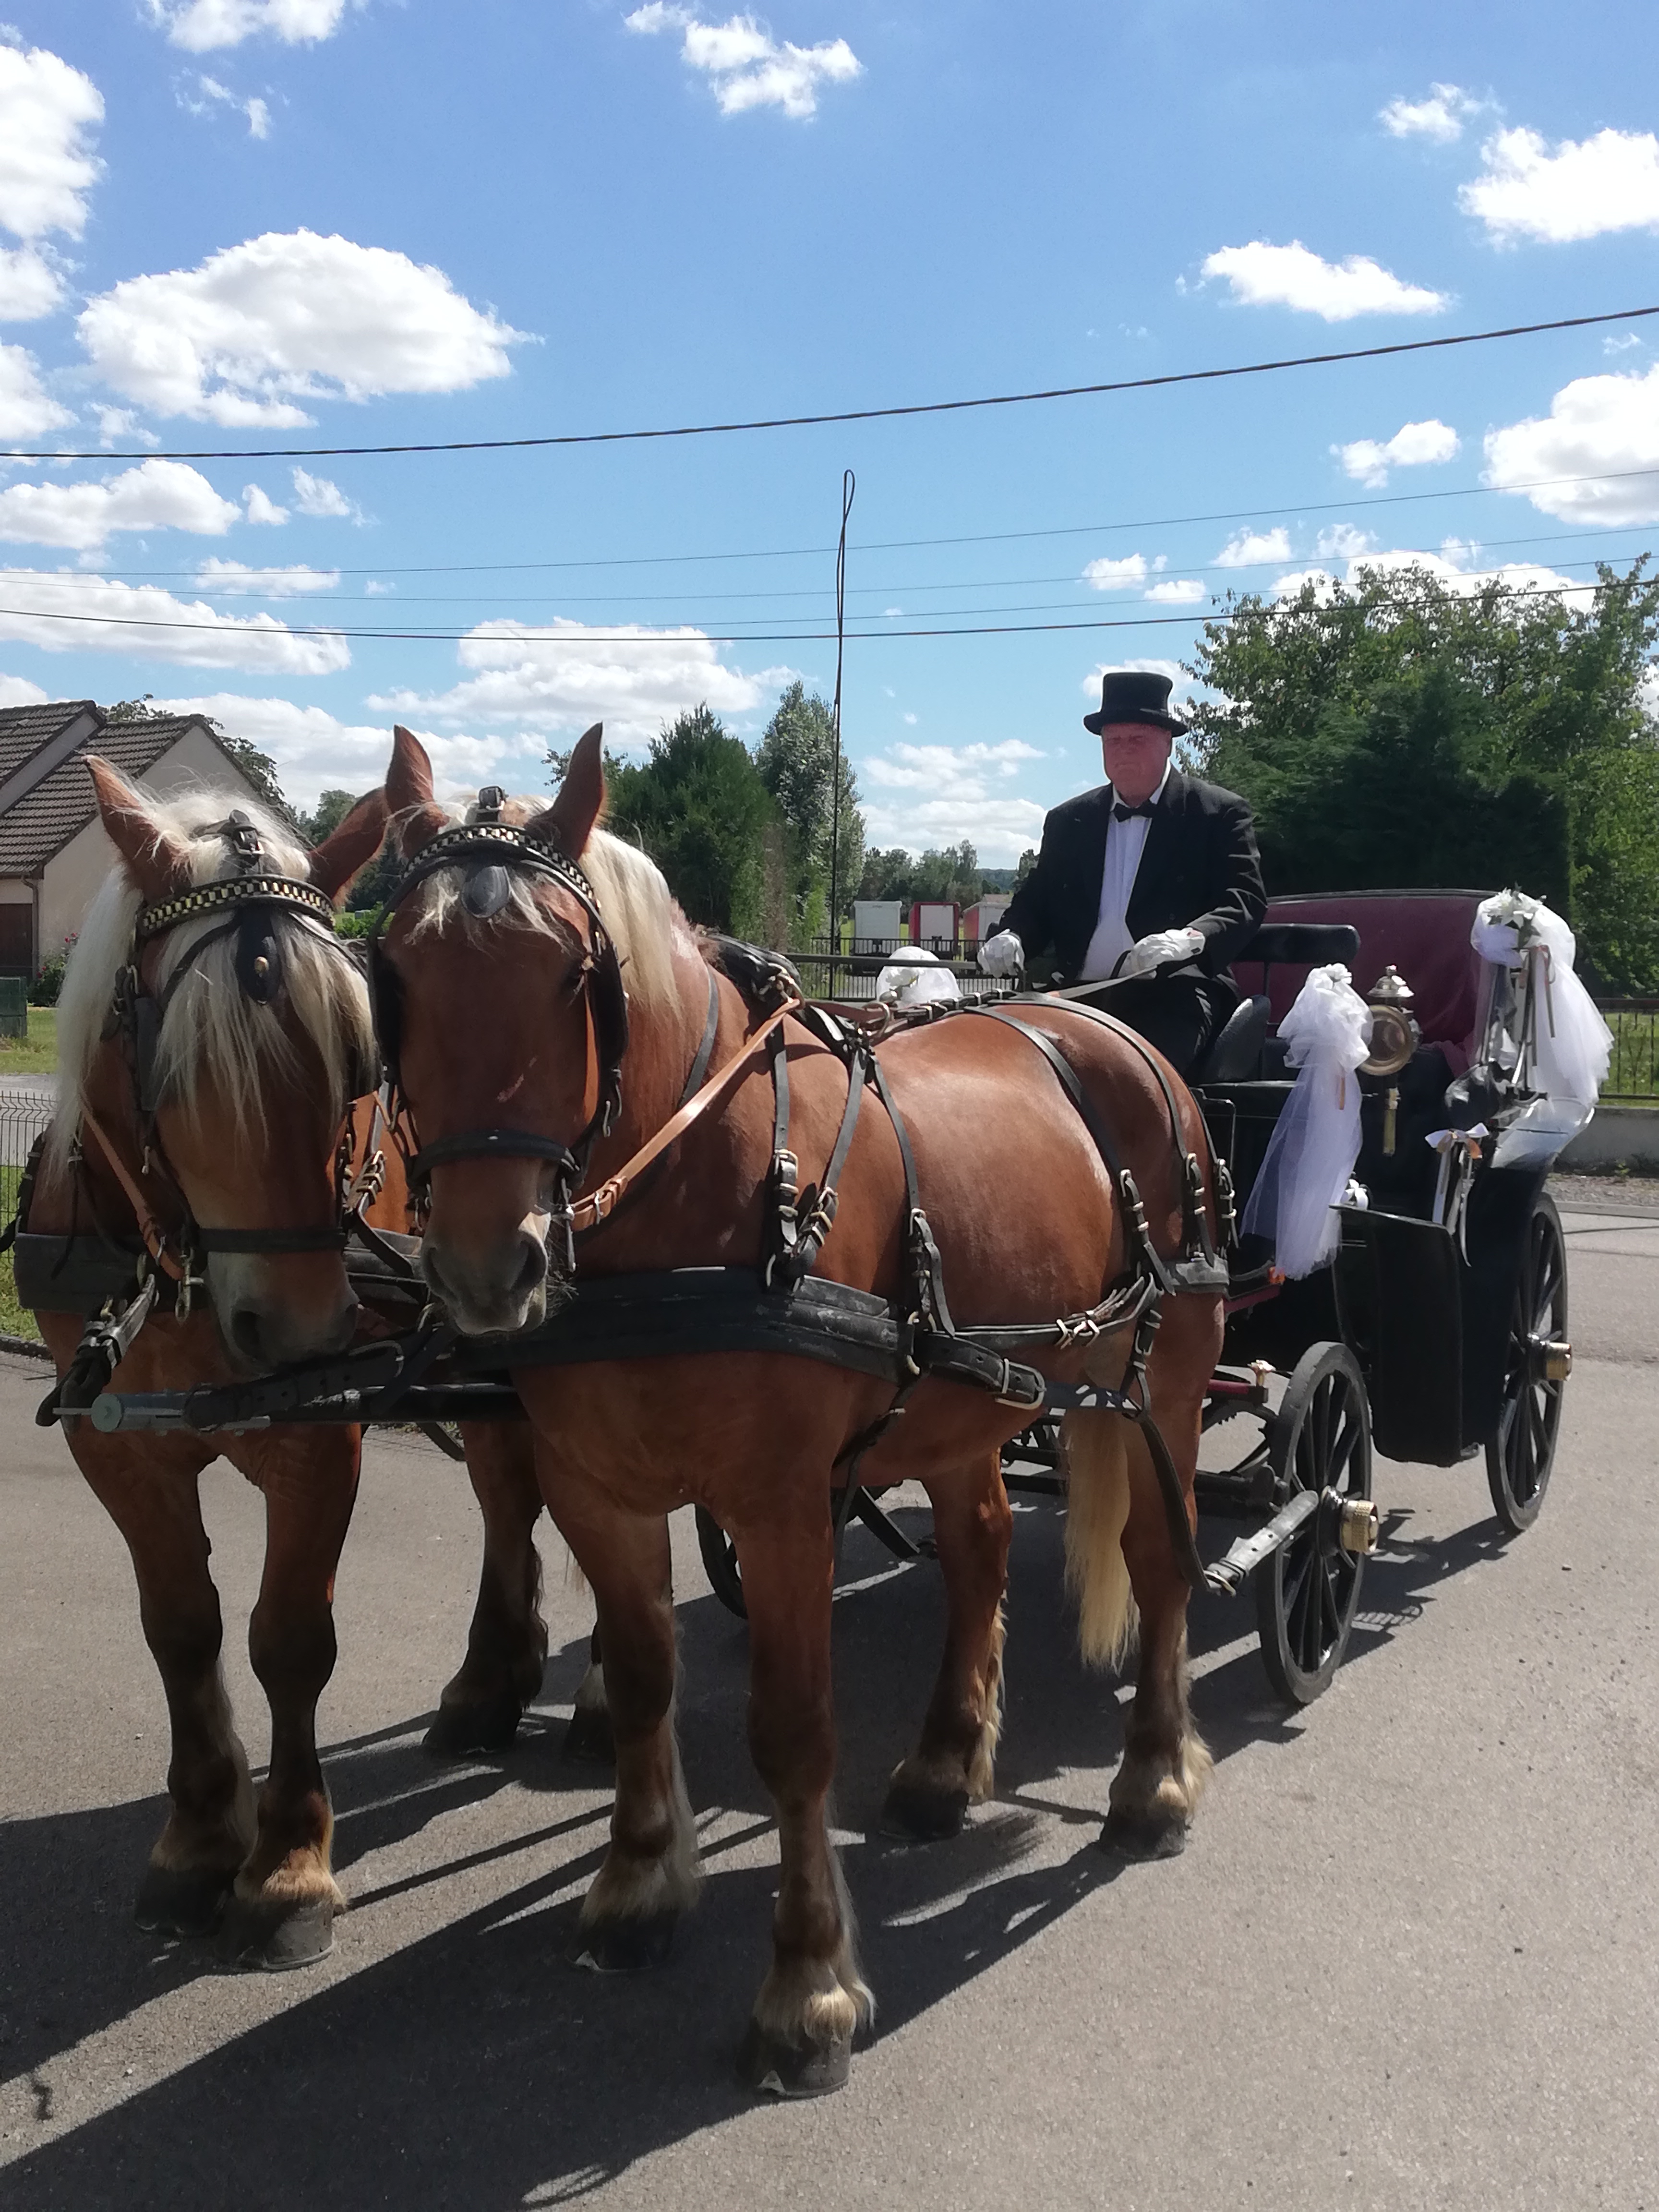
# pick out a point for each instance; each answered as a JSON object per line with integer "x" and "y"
{"x": 76, "y": 873}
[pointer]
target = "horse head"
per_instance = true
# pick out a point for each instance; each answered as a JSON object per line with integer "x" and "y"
{"x": 214, "y": 1032}
{"x": 499, "y": 985}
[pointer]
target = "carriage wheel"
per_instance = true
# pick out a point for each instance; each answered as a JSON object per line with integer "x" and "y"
{"x": 1521, "y": 1452}
{"x": 1307, "y": 1595}
{"x": 720, "y": 1560}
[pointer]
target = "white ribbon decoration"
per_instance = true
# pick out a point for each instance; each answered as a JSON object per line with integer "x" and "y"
{"x": 1569, "y": 1047}
{"x": 1316, "y": 1142}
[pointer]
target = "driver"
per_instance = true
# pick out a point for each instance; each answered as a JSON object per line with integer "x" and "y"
{"x": 1150, "y": 884}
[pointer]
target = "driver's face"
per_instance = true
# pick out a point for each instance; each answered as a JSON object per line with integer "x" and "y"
{"x": 1135, "y": 755}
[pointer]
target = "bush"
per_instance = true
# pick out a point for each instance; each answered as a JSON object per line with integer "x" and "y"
{"x": 44, "y": 989}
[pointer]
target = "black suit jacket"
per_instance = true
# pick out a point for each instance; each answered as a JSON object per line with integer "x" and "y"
{"x": 1198, "y": 870}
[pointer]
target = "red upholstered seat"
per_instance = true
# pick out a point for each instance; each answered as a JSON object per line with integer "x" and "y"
{"x": 1424, "y": 935}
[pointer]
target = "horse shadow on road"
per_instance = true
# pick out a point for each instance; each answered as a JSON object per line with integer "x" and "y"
{"x": 474, "y": 2065}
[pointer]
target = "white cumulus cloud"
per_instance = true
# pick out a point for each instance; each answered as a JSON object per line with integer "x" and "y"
{"x": 1456, "y": 567}
{"x": 1441, "y": 117}
{"x": 1178, "y": 592}
{"x": 26, "y": 408}
{"x": 1603, "y": 430}
{"x": 317, "y": 497}
{"x": 932, "y": 795}
{"x": 66, "y": 612}
{"x": 286, "y": 317}
{"x": 1293, "y": 276}
{"x": 746, "y": 66}
{"x": 1341, "y": 541}
{"x": 1251, "y": 548}
{"x": 1528, "y": 189}
{"x": 235, "y": 580}
{"x": 48, "y": 113}
{"x": 30, "y": 286}
{"x": 1414, "y": 444}
{"x": 153, "y": 495}
{"x": 261, "y": 508}
{"x": 1127, "y": 573}
{"x": 213, "y": 93}
{"x": 18, "y": 691}
{"x": 201, "y": 26}
{"x": 564, "y": 674}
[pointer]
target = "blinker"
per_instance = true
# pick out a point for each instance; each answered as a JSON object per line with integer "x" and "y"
{"x": 486, "y": 891}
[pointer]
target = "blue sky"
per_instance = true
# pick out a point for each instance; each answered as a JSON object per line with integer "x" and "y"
{"x": 255, "y": 222}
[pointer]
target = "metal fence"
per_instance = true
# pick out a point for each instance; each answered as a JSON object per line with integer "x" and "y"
{"x": 849, "y": 972}
{"x": 1634, "y": 1073}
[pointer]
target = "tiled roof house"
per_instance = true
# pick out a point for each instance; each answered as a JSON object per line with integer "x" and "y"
{"x": 53, "y": 852}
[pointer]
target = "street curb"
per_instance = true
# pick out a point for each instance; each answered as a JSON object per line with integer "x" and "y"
{"x": 30, "y": 1346}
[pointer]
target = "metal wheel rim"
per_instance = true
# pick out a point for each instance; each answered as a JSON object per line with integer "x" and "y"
{"x": 1523, "y": 1450}
{"x": 1319, "y": 1580}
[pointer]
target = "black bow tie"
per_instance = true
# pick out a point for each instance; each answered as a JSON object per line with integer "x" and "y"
{"x": 1122, "y": 813}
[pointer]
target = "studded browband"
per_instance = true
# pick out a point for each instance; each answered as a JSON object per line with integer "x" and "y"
{"x": 477, "y": 840}
{"x": 235, "y": 891}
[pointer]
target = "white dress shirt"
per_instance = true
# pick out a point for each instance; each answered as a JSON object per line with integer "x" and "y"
{"x": 1125, "y": 843}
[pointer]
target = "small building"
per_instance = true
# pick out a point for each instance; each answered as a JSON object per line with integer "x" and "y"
{"x": 980, "y": 920}
{"x": 877, "y": 925}
{"x": 54, "y": 853}
{"x": 933, "y": 925}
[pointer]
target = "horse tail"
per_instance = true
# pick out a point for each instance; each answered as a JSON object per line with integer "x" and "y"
{"x": 1095, "y": 1450}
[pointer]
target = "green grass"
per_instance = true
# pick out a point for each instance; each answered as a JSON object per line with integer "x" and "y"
{"x": 14, "y": 1319}
{"x": 36, "y": 1054}
{"x": 1634, "y": 1072}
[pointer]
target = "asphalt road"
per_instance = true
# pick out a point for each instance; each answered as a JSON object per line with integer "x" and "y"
{"x": 1411, "y": 1957}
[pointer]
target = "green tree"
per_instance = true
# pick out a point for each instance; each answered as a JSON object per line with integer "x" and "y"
{"x": 333, "y": 808}
{"x": 1398, "y": 733}
{"x": 698, "y": 806}
{"x": 796, "y": 763}
{"x": 945, "y": 875}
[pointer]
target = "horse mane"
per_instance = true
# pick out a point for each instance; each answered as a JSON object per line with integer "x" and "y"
{"x": 635, "y": 903}
{"x": 212, "y": 1027}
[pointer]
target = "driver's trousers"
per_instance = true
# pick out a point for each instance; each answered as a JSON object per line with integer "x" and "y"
{"x": 1181, "y": 1012}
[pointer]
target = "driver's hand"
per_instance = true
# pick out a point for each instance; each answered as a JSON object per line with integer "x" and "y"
{"x": 1002, "y": 955}
{"x": 1165, "y": 948}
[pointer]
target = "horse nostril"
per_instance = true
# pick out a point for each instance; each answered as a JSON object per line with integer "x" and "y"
{"x": 433, "y": 1274}
{"x": 245, "y": 1333}
{"x": 533, "y": 1274}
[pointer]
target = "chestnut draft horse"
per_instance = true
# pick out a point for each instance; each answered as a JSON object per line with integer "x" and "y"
{"x": 209, "y": 1059}
{"x": 498, "y": 995}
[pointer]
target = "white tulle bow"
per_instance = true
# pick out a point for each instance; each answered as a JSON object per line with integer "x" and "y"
{"x": 1310, "y": 1155}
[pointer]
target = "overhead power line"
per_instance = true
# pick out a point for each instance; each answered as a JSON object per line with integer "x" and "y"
{"x": 1355, "y": 506}
{"x": 856, "y": 414}
{"x": 585, "y": 638}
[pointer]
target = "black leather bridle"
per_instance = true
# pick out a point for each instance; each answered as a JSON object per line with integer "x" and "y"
{"x": 249, "y": 903}
{"x": 489, "y": 852}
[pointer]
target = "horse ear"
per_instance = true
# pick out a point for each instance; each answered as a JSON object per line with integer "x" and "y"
{"x": 569, "y": 823}
{"x": 416, "y": 819}
{"x": 158, "y": 862}
{"x": 350, "y": 845}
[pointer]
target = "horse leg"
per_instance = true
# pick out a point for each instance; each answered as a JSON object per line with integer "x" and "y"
{"x": 799, "y": 2039}
{"x": 210, "y": 1822}
{"x": 1120, "y": 1556}
{"x": 952, "y": 1765}
{"x": 649, "y": 1876}
{"x": 588, "y": 1736}
{"x": 482, "y": 1705}
{"x": 286, "y": 1898}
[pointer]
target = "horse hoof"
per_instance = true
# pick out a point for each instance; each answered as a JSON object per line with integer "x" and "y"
{"x": 915, "y": 1815}
{"x": 182, "y": 1900}
{"x": 588, "y": 1738}
{"x": 625, "y": 1946}
{"x": 461, "y": 1730}
{"x": 1139, "y": 1836}
{"x": 777, "y": 2068}
{"x": 272, "y": 1939}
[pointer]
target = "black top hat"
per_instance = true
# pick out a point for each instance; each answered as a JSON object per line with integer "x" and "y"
{"x": 1134, "y": 695}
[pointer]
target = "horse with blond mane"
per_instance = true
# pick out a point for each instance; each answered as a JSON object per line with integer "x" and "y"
{"x": 214, "y": 1034}
{"x": 545, "y": 1009}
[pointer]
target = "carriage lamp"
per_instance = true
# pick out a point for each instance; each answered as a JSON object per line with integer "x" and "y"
{"x": 1394, "y": 1038}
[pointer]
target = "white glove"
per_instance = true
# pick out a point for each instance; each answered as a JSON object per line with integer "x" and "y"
{"x": 1002, "y": 955}
{"x": 1163, "y": 949}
